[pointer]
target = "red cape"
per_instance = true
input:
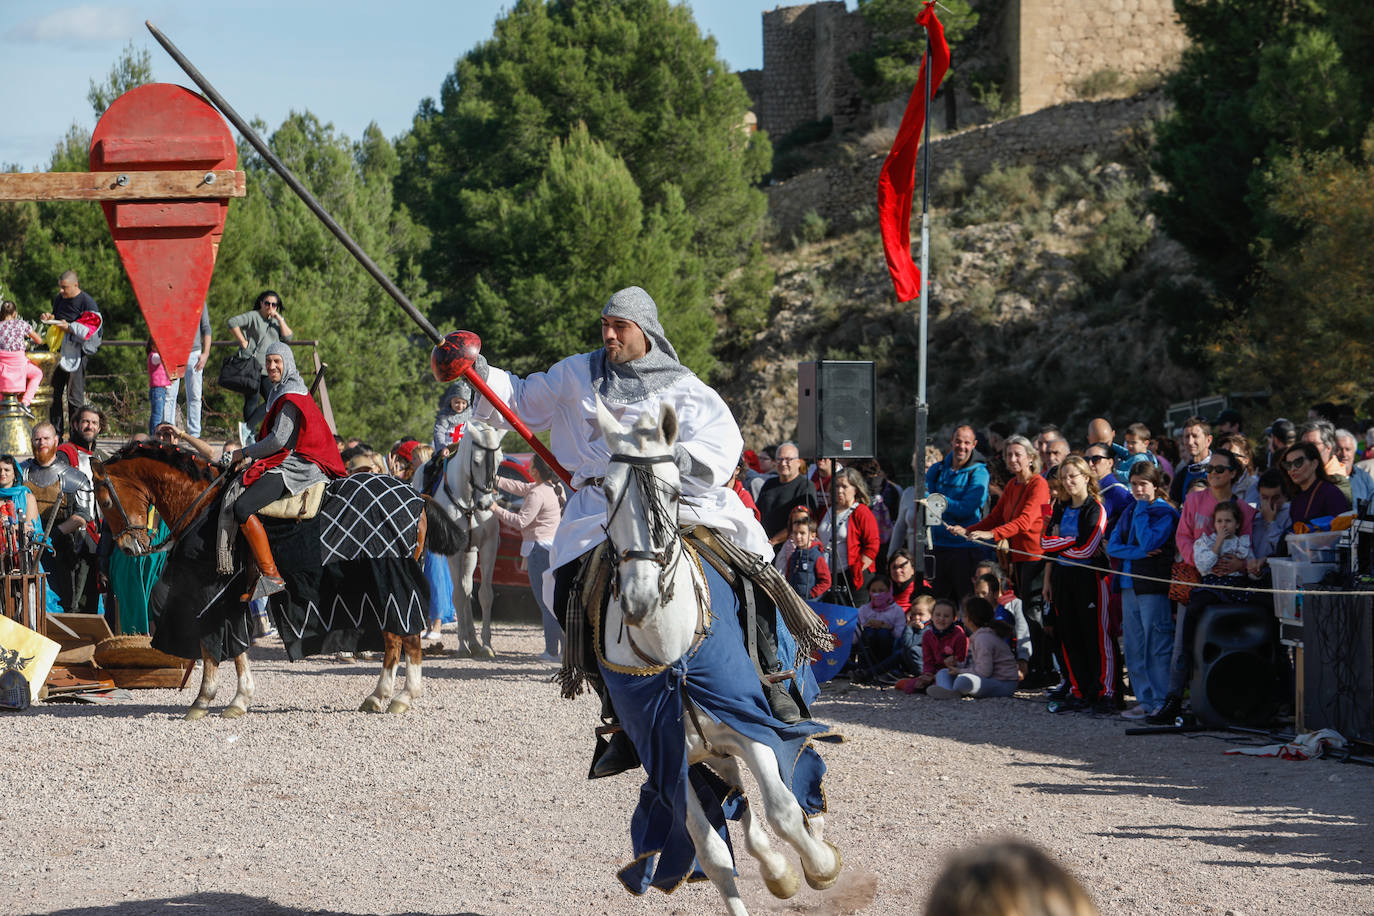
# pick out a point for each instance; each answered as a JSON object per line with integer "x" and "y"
{"x": 314, "y": 440}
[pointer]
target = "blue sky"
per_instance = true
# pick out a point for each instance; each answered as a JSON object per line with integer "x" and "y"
{"x": 348, "y": 62}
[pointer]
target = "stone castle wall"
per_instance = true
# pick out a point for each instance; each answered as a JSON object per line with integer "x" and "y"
{"x": 806, "y": 75}
{"x": 1055, "y": 49}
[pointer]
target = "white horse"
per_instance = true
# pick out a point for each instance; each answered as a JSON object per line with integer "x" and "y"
{"x": 467, "y": 494}
{"x": 658, "y": 615}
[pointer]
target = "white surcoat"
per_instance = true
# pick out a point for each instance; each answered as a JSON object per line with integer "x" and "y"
{"x": 561, "y": 401}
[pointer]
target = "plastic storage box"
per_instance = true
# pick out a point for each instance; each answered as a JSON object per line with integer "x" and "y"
{"x": 1316, "y": 547}
{"x": 1288, "y": 575}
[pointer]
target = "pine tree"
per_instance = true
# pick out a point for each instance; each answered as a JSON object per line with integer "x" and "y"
{"x": 586, "y": 146}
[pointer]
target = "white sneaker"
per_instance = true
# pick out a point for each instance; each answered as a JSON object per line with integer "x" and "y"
{"x": 548, "y": 659}
{"x": 1135, "y": 712}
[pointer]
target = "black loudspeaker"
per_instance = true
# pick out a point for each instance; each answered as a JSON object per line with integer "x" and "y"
{"x": 835, "y": 417}
{"x": 1235, "y": 665}
{"x": 1338, "y": 663}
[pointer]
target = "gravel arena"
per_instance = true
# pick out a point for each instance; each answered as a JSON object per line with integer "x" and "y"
{"x": 476, "y": 802}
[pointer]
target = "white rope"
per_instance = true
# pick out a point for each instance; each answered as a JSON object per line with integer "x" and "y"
{"x": 1116, "y": 572}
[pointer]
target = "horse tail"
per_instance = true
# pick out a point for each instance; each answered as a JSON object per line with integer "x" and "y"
{"x": 443, "y": 536}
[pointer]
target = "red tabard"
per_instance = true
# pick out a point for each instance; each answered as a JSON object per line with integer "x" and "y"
{"x": 314, "y": 441}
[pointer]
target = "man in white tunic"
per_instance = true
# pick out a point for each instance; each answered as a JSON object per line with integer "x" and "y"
{"x": 635, "y": 372}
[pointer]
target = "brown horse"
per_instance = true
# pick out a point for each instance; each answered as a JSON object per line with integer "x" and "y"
{"x": 186, "y": 491}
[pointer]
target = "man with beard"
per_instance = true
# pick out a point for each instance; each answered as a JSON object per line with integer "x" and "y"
{"x": 79, "y": 448}
{"x": 66, "y": 507}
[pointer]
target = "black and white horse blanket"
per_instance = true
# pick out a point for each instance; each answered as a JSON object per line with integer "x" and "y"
{"x": 350, "y": 577}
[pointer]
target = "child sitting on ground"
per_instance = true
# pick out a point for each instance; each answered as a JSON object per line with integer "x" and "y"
{"x": 881, "y": 621}
{"x": 905, "y": 659}
{"x": 991, "y": 669}
{"x": 1008, "y": 610}
{"x": 803, "y": 565}
{"x": 943, "y": 639}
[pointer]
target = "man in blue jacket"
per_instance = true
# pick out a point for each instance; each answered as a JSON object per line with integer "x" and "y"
{"x": 962, "y": 478}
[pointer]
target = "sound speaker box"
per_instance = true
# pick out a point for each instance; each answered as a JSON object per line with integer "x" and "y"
{"x": 835, "y": 416}
{"x": 1235, "y": 665}
{"x": 1338, "y": 665}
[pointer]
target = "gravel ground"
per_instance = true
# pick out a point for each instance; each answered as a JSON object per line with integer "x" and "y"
{"x": 475, "y": 802}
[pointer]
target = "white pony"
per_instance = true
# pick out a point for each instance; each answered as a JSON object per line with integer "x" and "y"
{"x": 659, "y": 624}
{"x": 467, "y": 494}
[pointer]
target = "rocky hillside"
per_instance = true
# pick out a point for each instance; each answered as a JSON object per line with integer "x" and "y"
{"x": 1043, "y": 282}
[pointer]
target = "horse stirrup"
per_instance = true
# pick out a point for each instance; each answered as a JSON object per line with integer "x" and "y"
{"x": 265, "y": 587}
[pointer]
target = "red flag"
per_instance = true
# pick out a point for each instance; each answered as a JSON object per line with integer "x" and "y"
{"x": 897, "y": 183}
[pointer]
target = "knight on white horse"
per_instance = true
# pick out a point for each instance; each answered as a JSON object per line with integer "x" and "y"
{"x": 636, "y": 373}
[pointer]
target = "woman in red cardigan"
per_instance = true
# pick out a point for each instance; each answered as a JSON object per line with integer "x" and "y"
{"x": 857, "y": 535}
{"x": 1019, "y": 516}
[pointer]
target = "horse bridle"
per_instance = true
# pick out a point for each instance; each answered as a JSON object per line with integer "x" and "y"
{"x": 483, "y": 489}
{"x": 173, "y": 533}
{"x": 667, "y": 559}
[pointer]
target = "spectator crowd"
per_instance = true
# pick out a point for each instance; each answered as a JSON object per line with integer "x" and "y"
{"x": 1076, "y": 565}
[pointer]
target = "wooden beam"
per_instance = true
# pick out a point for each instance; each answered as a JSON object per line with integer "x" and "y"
{"x": 128, "y": 185}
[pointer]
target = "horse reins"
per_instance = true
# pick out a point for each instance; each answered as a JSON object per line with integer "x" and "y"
{"x": 485, "y": 488}
{"x": 641, "y": 473}
{"x": 172, "y": 532}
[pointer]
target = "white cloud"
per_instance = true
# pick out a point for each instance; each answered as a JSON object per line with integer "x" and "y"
{"x": 87, "y": 23}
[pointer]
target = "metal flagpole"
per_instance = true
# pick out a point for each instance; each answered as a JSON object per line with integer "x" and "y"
{"x": 918, "y": 531}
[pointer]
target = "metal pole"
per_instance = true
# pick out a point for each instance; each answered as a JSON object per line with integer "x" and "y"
{"x": 294, "y": 184}
{"x": 918, "y": 530}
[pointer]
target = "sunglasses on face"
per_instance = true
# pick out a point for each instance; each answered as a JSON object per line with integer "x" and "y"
{"x": 1295, "y": 463}
{"x": 902, "y": 565}
{"x": 1217, "y": 469}
{"x": 1094, "y": 459}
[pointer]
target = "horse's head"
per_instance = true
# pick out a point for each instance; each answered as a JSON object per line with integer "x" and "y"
{"x": 475, "y": 465}
{"x": 642, "y": 487}
{"x": 124, "y": 504}
{"x": 485, "y": 462}
{"x": 141, "y": 476}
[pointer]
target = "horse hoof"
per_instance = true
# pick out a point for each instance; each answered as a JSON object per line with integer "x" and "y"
{"x": 462, "y": 652}
{"x": 196, "y": 712}
{"x": 821, "y": 882}
{"x": 233, "y": 712}
{"x": 484, "y": 652}
{"x": 371, "y": 704}
{"x": 398, "y": 706}
{"x": 786, "y": 886}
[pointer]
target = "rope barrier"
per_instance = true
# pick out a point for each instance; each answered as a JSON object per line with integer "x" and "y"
{"x": 1116, "y": 572}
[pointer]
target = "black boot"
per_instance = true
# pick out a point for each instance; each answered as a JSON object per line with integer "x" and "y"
{"x": 614, "y": 753}
{"x": 783, "y": 704}
{"x": 1169, "y": 712}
